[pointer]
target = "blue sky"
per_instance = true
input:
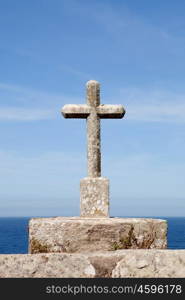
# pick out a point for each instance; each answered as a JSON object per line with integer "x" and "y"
{"x": 48, "y": 50}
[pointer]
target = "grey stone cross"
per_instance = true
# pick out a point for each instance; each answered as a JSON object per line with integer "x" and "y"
{"x": 94, "y": 189}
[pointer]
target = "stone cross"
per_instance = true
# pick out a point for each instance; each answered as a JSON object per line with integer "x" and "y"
{"x": 94, "y": 189}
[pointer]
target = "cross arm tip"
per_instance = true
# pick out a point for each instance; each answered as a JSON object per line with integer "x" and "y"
{"x": 111, "y": 111}
{"x": 79, "y": 111}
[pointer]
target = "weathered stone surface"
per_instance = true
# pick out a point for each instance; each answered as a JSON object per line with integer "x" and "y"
{"x": 166, "y": 263}
{"x": 79, "y": 111}
{"x": 93, "y": 111}
{"x": 62, "y": 234}
{"x": 93, "y": 130}
{"x": 124, "y": 263}
{"x": 40, "y": 265}
{"x": 94, "y": 197}
{"x": 110, "y": 111}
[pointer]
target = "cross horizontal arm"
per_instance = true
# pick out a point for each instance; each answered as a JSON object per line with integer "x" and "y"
{"x": 110, "y": 111}
{"x": 79, "y": 111}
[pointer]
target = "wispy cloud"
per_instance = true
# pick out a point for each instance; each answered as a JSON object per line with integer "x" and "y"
{"x": 157, "y": 113}
{"x": 130, "y": 29}
{"x": 49, "y": 172}
{"x": 148, "y": 105}
{"x": 20, "y": 114}
{"x": 149, "y": 174}
{"x": 40, "y": 184}
{"x": 19, "y": 103}
{"x": 25, "y": 104}
{"x": 53, "y": 177}
{"x": 19, "y": 94}
{"x": 75, "y": 72}
{"x": 154, "y": 105}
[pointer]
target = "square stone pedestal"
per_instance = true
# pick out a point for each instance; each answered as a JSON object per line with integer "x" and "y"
{"x": 94, "y": 197}
{"x": 75, "y": 234}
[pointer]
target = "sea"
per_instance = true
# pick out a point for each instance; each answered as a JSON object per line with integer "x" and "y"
{"x": 14, "y": 234}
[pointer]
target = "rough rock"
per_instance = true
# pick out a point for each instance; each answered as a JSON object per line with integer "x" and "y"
{"x": 40, "y": 265}
{"x": 70, "y": 235}
{"x": 117, "y": 264}
{"x": 151, "y": 263}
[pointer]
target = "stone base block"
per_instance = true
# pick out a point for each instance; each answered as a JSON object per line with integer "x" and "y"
{"x": 117, "y": 264}
{"x": 75, "y": 234}
{"x": 94, "y": 197}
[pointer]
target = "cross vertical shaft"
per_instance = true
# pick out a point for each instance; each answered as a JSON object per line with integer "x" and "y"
{"x": 93, "y": 130}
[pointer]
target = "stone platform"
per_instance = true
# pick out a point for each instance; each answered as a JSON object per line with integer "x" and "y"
{"x": 116, "y": 264}
{"x": 81, "y": 235}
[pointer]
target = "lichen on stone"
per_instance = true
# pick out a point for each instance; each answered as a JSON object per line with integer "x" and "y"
{"x": 38, "y": 247}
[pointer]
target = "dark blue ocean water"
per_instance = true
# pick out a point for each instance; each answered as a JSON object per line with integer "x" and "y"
{"x": 14, "y": 234}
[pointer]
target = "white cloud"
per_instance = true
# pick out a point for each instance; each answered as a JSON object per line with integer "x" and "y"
{"x": 25, "y": 95}
{"x": 37, "y": 97}
{"x": 148, "y": 105}
{"x": 153, "y": 105}
{"x": 145, "y": 176}
{"x": 50, "y": 174}
{"x": 157, "y": 113}
{"x": 50, "y": 182}
{"x": 21, "y": 114}
{"x": 45, "y": 184}
{"x": 26, "y": 104}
